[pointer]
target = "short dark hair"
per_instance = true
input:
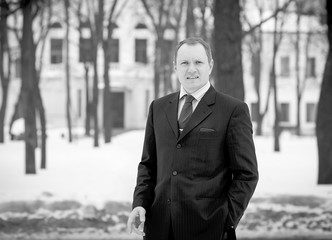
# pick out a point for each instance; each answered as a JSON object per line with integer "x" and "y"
{"x": 194, "y": 41}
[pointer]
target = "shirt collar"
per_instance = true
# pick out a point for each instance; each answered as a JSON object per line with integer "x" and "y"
{"x": 198, "y": 94}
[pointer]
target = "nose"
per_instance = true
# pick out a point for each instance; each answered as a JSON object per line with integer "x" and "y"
{"x": 191, "y": 68}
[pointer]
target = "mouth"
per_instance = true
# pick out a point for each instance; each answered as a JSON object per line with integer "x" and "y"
{"x": 193, "y": 77}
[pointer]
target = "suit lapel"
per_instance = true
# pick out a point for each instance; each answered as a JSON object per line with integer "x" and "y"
{"x": 201, "y": 112}
{"x": 172, "y": 114}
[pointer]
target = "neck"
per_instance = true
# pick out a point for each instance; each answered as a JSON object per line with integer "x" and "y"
{"x": 191, "y": 91}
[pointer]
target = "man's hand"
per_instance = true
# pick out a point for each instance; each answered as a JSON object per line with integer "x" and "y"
{"x": 136, "y": 221}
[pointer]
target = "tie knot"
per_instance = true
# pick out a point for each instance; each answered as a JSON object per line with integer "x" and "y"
{"x": 189, "y": 98}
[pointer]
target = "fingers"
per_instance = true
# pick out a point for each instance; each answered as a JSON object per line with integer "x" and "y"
{"x": 141, "y": 212}
{"x": 141, "y": 227}
{"x": 130, "y": 222}
{"x": 139, "y": 230}
{"x": 138, "y": 212}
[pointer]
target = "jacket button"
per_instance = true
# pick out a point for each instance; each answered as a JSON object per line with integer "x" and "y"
{"x": 175, "y": 173}
{"x": 169, "y": 201}
{"x": 178, "y": 145}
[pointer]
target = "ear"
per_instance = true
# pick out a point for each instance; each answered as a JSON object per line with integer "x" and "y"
{"x": 174, "y": 66}
{"x": 211, "y": 65}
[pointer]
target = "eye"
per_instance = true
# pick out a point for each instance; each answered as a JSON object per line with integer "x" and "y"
{"x": 198, "y": 62}
{"x": 184, "y": 63}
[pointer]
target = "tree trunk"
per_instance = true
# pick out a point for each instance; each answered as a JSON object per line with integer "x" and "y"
{"x": 157, "y": 65}
{"x": 107, "y": 118}
{"x": 42, "y": 117}
{"x": 96, "y": 38}
{"x": 227, "y": 45}
{"x": 18, "y": 111}
{"x": 324, "y": 114}
{"x": 68, "y": 98}
{"x": 203, "y": 5}
{"x": 257, "y": 78}
{"x": 107, "y": 102}
{"x": 3, "y": 77}
{"x": 261, "y": 116}
{"x": 39, "y": 100}
{"x": 28, "y": 78}
{"x": 87, "y": 101}
{"x": 95, "y": 99}
{"x": 297, "y": 71}
{"x": 298, "y": 116}
{"x": 3, "y": 110}
{"x": 190, "y": 20}
{"x": 259, "y": 130}
{"x": 176, "y": 39}
{"x": 276, "y": 128}
{"x": 167, "y": 65}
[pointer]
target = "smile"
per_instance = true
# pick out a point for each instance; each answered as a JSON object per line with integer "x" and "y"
{"x": 192, "y": 77}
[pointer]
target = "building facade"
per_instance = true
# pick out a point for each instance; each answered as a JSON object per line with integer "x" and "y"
{"x": 131, "y": 73}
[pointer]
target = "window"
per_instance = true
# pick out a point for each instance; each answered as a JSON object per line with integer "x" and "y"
{"x": 141, "y": 26}
{"x": 284, "y": 112}
{"x": 84, "y": 24}
{"x": 140, "y": 50}
{"x": 254, "y": 112}
{"x": 311, "y": 112}
{"x": 55, "y": 25}
{"x": 114, "y": 25}
{"x": 168, "y": 50}
{"x": 284, "y": 68}
{"x": 56, "y": 51}
{"x": 114, "y": 50}
{"x": 117, "y": 108}
{"x": 311, "y": 67}
{"x": 85, "y": 50}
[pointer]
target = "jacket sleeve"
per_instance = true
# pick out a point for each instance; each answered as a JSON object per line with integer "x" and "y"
{"x": 242, "y": 163}
{"x": 146, "y": 174}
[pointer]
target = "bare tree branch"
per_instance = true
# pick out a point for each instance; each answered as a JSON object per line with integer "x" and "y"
{"x": 120, "y": 10}
{"x": 91, "y": 17}
{"x": 161, "y": 10}
{"x": 16, "y": 31}
{"x": 282, "y": 9}
{"x": 17, "y": 6}
{"x": 147, "y": 9}
{"x": 43, "y": 38}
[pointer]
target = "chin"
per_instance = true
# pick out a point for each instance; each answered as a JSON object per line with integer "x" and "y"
{"x": 191, "y": 88}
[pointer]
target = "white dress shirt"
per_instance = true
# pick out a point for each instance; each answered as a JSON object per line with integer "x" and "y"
{"x": 198, "y": 95}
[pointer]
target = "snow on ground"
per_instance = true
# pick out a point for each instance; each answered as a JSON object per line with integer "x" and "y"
{"x": 293, "y": 170}
{"x": 80, "y": 183}
{"x": 88, "y": 174}
{"x": 74, "y": 171}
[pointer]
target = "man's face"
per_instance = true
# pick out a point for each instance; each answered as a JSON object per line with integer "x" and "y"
{"x": 192, "y": 67}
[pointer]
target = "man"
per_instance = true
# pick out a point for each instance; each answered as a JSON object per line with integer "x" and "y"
{"x": 198, "y": 169}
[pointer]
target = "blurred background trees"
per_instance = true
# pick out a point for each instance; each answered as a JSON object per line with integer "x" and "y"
{"x": 29, "y": 101}
{"x": 110, "y": 58}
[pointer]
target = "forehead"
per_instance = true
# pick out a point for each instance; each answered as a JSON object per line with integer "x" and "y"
{"x": 191, "y": 51}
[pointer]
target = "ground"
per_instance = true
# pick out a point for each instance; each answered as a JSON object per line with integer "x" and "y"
{"x": 85, "y": 192}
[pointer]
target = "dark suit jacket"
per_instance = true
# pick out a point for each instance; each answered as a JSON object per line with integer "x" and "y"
{"x": 202, "y": 180}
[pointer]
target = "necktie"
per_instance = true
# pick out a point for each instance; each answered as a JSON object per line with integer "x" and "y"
{"x": 186, "y": 111}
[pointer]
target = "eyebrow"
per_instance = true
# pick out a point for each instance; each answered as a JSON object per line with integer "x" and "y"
{"x": 185, "y": 59}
